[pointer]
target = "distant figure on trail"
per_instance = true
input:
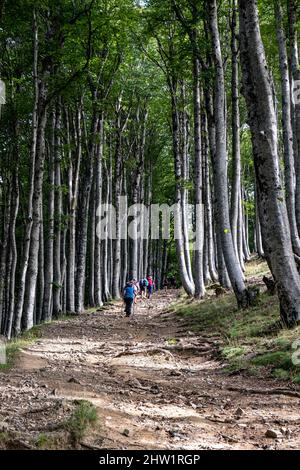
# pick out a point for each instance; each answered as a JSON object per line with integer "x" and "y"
{"x": 166, "y": 284}
{"x": 150, "y": 287}
{"x": 143, "y": 286}
{"x": 129, "y": 296}
{"x": 136, "y": 287}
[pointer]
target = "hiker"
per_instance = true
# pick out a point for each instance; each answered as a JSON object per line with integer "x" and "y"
{"x": 150, "y": 287}
{"x": 143, "y": 286}
{"x": 136, "y": 289}
{"x": 128, "y": 296}
{"x": 165, "y": 284}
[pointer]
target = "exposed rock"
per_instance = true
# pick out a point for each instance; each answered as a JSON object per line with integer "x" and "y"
{"x": 72, "y": 380}
{"x": 273, "y": 434}
{"x": 239, "y": 412}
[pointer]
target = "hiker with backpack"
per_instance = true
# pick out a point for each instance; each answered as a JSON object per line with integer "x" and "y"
{"x": 150, "y": 287}
{"x": 129, "y": 296}
{"x": 136, "y": 288}
{"x": 143, "y": 286}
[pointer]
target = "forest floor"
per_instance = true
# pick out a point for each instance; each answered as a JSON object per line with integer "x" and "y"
{"x": 149, "y": 382}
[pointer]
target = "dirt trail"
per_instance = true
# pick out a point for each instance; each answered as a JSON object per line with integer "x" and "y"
{"x": 155, "y": 384}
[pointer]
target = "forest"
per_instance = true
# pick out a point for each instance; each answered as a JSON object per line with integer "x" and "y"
{"x": 153, "y": 142}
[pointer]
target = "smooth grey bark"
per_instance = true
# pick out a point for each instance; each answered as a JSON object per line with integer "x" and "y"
{"x": 124, "y": 272}
{"x": 98, "y": 201}
{"x": 13, "y": 256}
{"x": 240, "y": 233}
{"x": 258, "y": 93}
{"x": 164, "y": 263}
{"x": 116, "y": 273}
{"x": 48, "y": 275}
{"x": 172, "y": 80}
{"x": 293, "y": 12}
{"x": 105, "y": 248}
{"x": 148, "y": 200}
{"x": 245, "y": 238}
{"x": 28, "y": 227}
{"x": 57, "y": 284}
{"x": 209, "y": 229}
{"x": 136, "y": 180}
{"x": 199, "y": 210}
{"x": 223, "y": 277}
{"x": 141, "y": 121}
{"x": 184, "y": 179}
{"x": 185, "y": 279}
{"x": 236, "y": 148}
{"x": 82, "y": 216}
{"x": 41, "y": 279}
{"x": 220, "y": 168}
{"x": 143, "y": 221}
{"x": 91, "y": 245}
{"x": 259, "y": 246}
{"x": 32, "y": 270}
{"x": 206, "y": 273}
{"x": 199, "y": 213}
{"x": 240, "y": 230}
{"x": 288, "y": 146}
{"x": 73, "y": 185}
{"x": 3, "y": 256}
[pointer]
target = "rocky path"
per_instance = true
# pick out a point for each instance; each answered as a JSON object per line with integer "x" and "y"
{"x": 155, "y": 385}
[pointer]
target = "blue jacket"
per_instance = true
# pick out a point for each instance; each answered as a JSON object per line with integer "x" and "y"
{"x": 129, "y": 292}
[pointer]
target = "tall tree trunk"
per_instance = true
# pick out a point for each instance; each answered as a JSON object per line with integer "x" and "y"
{"x": 236, "y": 151}
{"x": 199, "y": 243}
{"x": 82, "y": 225}
{"x": 289, "y": 169}
{"x": 259, "y": 246}
{"x": 91, "y": 245}
{"x": 26, "y": 245}
{"x": 207, "y": 201}
{"x": 13, "y": 256}
{"x": 117, "y": 195}
{"x": 273, "y": 214}
{"x": 293, "y": 10}
{"x": 41, "y": 279}
{"x": 184, "y": 273}
{"x": 221, "y": 267}
{"x": 220, "y": 168}
{"x": 57, "y": 215}
{"x": 106, "y": 241}
{"x": 73, "y": 184}
{"x": 48, "y": 276}
{"x": 32, "y": 271}
{"x": 184, "y": 180}
{"x": 98, "y": 199}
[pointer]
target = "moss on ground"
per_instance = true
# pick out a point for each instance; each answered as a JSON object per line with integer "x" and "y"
{"x": 251, "y": 340}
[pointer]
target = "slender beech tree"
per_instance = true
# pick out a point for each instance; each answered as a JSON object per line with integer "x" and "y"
{"x": 258, "y": 91}
{"x": 220, "y": 166}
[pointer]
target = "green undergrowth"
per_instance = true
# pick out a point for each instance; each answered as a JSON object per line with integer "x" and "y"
{"x": 82, "y": 419}
{"x": 251, "y": 340}
{"x": 14, "y": 346}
